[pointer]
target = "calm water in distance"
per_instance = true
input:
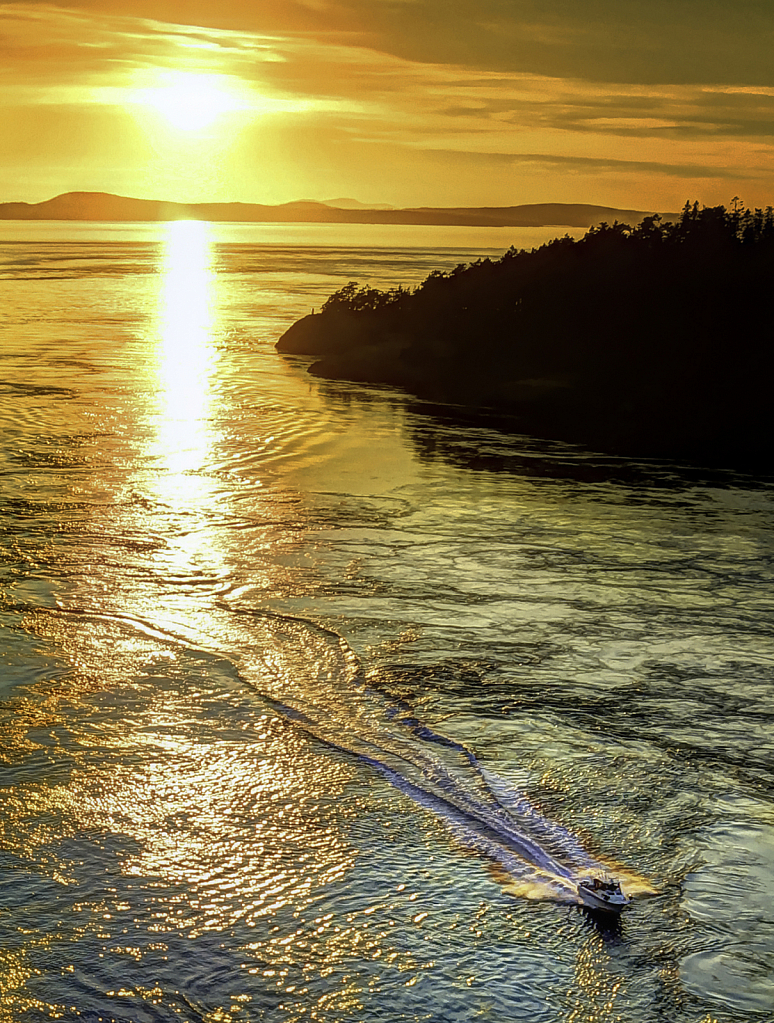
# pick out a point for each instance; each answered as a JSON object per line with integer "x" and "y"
{"x": 316, "y": 706}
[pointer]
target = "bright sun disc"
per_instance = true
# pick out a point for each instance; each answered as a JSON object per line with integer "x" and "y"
{"x": 190, "y": 101}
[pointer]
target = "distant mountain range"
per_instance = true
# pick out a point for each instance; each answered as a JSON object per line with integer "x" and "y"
{"x": 355, "y": 204}
{"x": 103, "y": 206}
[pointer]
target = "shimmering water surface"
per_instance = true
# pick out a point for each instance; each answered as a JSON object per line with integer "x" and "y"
{"x": 316, "y": 706}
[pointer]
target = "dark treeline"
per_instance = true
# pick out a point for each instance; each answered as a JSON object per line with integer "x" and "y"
{"x": 652, "y": 340}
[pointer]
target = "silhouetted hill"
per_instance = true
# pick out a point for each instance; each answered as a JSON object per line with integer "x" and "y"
{"x": 648, "y": 341}
{"x": 107, "y": 207}
{"x": 86, "y": 206}
{"x": 355, "y": 204}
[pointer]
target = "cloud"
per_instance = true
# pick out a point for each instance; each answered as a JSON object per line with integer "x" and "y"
{"x": 50, "y": 46}
{"x": 547, "y": 163}
{"x": 678, "y": 89}
{"x": 638, "y": 41}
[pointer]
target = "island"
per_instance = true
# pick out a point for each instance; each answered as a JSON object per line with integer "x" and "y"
{"x": 647, "y": 341}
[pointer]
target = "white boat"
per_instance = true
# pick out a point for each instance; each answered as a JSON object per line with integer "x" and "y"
{"x": 604, "y": 894}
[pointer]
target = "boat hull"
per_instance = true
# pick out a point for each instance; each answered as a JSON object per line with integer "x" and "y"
{"x": 611, "y": 904}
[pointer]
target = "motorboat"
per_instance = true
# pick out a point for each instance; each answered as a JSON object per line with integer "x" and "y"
{"x": 602, "y": 893}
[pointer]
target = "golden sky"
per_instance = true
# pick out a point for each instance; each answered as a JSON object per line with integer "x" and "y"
{"x": 629, "y": 103}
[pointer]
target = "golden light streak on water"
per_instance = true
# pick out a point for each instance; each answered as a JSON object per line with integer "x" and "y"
{"x": 224, "y": 804}
{"x": 186, "y": 350}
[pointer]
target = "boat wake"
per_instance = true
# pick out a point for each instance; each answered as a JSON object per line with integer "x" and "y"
{"x": 313, "y": 677}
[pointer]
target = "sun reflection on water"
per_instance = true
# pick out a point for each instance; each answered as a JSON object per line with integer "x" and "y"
{"x": 186, "y": 352}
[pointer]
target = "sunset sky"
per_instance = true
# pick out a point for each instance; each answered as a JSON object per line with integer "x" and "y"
{"x": 630, "y": 103}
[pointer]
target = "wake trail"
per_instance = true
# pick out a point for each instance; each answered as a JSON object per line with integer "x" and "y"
{"x": 313, "y": 677}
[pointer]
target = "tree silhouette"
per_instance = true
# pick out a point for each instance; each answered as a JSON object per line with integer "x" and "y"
{"x": 654, "y": 339}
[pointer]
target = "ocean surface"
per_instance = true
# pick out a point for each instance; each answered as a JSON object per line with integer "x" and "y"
{"x": 318, "y": 701}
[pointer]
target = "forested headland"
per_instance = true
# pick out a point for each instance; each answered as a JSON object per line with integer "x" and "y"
{"x": 654, "y": 340}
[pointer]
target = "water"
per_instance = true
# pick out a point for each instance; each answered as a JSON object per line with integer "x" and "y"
{"x": 316, "y": 706}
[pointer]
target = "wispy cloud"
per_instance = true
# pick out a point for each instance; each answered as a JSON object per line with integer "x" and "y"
{"x": 51, "y": 46}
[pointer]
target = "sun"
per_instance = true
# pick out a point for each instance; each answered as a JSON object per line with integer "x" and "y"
{"x": 190, "y": 100}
